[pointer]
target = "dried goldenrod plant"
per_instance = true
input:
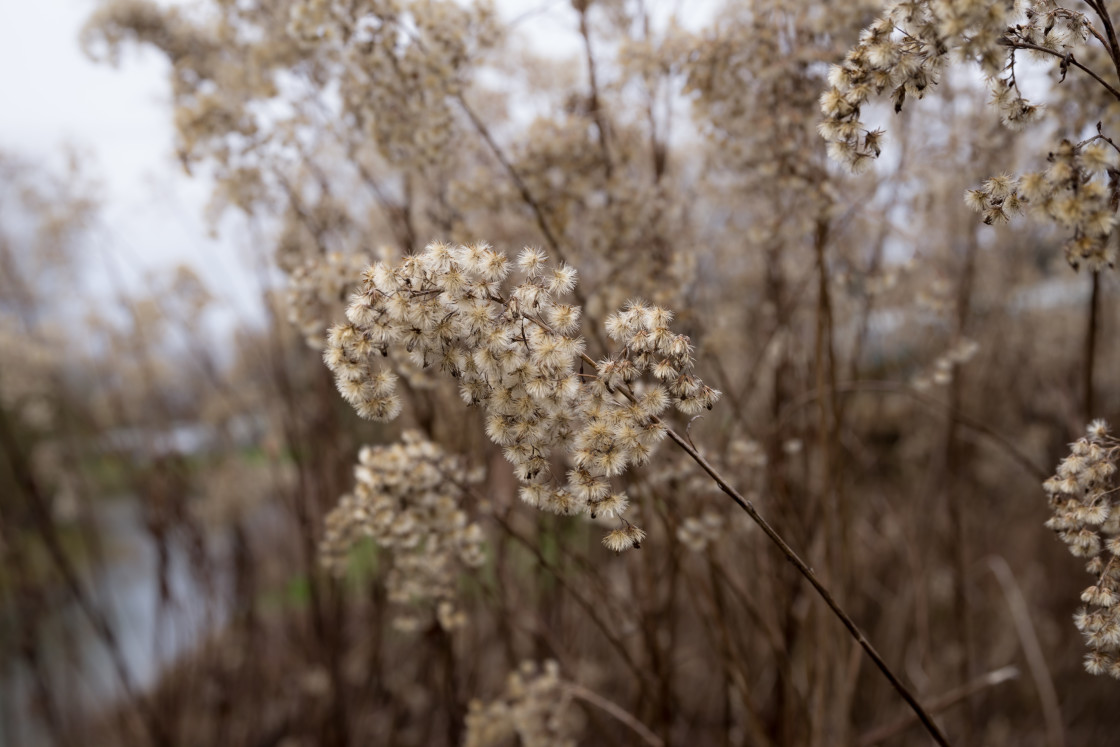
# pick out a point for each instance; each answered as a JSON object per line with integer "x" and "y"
{"x": 536, "y": 707}
{"x": 889, "y": 371}
{"x": 446, "y": 307}
{"x": 515, "y": 352}
{"x": 1087, "y": 519}
{"x": 407, "y": 499}
{"x": 906, "y": 52}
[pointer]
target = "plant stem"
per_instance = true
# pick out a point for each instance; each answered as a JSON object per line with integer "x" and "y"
{"x": 616, "y": 712}
{"x": 823, "y": 592}
{"x": 798, "y": 563}
{"x": 1091, "y": 347}
{"x": 951, "y": 698}
{"x": 1017, "y": 43}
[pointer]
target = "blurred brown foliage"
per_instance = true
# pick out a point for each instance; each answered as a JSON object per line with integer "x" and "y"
{"x": 898, "y": 379}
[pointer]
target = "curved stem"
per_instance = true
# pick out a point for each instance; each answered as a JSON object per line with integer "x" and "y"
{"x": 587, "y": 605}
{"x": 1110, "y": 31}
{"x": 951, "y": 698}
{"x": 804, "y": 569}
{"x": 522, "y": 188}
{"x": 1017, "y": 43}
{"x": 616, "y": 711}
{"x": 534, "y": 205}
{"x": 1032, "y": 650}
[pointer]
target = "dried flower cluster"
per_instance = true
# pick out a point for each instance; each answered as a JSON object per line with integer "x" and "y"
{"x": 516, "y": 352}
{"x": 1086, "y": 517}
{"x": 536, "y": 708}
{"x": 905, "y": 52}
{"x": 1077, "y": 191}
{"x": 698, "y": 532}
{"x": 398, "y": 67}
{"x": 408, "y": 499}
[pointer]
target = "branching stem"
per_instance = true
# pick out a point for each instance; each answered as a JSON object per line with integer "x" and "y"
{"x": 1018, "y": 43}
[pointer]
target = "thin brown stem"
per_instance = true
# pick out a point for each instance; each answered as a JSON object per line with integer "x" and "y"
{"x": 1018, "y": 43}
{"x": 535, "y": 206}
{"x": 953, "y": 459}
{"x": 1032, "y": 650}
{"x": 1109, "y": 30}
{"x": 799, "y": 564}
{"x": 587, "y": 605}
{"x": 595, "y": 105}
{"x": 949, "y": 699}
{"x": 615, "y": 711}
{"x": 1091, "y": 328}
{"x": 804, "y": 569}
{"x": 828, "y": 418}
{"x": 515, "y": 177}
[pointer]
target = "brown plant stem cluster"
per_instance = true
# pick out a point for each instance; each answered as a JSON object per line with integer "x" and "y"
{"x": 677, "y": 160}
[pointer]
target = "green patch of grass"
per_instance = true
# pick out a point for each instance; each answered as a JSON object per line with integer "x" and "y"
{"x": 293, "y": 594}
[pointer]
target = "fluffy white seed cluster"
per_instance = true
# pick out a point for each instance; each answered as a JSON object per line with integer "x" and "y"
{"x": 1075, "y": 191}
{"x": 904, "y": 53}
{"x": 1047, "y": 32}
{"x": 515, "y": 350}
{"x": 536, "y": 708}
{"x": 407, "y": 499}
{"x": 1087, "y": 518}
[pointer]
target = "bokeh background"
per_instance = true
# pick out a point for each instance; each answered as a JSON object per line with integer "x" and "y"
{"x": 188, "y": 195}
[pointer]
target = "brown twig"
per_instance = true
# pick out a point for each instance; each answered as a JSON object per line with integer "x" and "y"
{"x": 1091, "y": 327}
{"x": 951, "y": 698}
{"x": 1018, "y": 43}
{"x": 1109, "y": 30}
{"x": 615, "y": 711}
{"x": 1032, "y": 650}
{"x": 804, "y": 569}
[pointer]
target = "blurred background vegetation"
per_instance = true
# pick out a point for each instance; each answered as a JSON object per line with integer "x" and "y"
{"x": 898, "y": 380}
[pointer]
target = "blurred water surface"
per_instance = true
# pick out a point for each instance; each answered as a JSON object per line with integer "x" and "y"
{"x": 159, "y": 608}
